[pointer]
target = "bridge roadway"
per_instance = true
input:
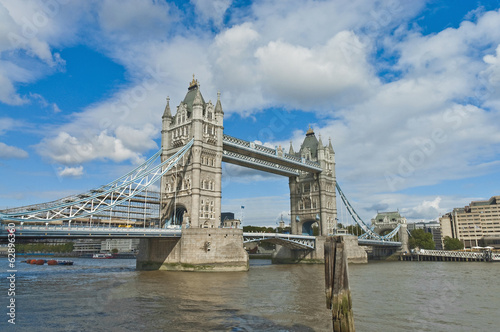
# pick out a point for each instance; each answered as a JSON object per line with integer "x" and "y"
{"x": 64, "y": 231}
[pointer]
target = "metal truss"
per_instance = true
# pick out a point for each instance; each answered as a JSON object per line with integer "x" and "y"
{"x": 286, "y": 240}
{"x": 259, "y": 164}
{"x": 101, "y": 199}
{"x": 284, "y": 163}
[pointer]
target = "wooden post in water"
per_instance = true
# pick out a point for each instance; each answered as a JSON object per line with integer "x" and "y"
{"x": 338, "y": 295}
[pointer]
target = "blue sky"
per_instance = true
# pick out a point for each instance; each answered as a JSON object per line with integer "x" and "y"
{"x": 409, "y": 93}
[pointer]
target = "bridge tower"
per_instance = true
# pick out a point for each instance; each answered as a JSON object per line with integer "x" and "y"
{"x": 312, "y": 195}
{"x": 191, "y": 192}
{"x": 385, "y": 222}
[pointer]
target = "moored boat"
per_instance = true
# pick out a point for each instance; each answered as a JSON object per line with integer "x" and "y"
{"x": 64, "y": 262}
{"x": 102, "y": 256}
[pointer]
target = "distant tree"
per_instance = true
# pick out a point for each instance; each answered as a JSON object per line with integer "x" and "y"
{"x": 419, "y": 238}
{"x": 114, "y": 251}
{"x": 452, "y": 244}
{"x": 284, "y": 230}
{"x": 354, "y": 230}
{"x": 259, "y": 229}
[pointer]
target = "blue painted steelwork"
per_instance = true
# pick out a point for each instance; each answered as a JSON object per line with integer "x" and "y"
{"x": 101, "y": 199}
{"x": 384, "y": 243}
{"x": 261, "y": 157}
{"x": 64, "y": 231}
{"x": 369, "y": 236}
{"x": 288, "y": 240}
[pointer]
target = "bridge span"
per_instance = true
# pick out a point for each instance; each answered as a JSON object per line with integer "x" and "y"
{"x": 188, "y": 171}
{"x": 77, "y": 232}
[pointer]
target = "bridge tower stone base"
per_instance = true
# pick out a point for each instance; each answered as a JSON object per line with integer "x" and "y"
{"x": 284, "y": 255}
{"x": 198, "y": 249}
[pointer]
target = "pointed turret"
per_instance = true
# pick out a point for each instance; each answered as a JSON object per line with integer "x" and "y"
{"x": 320, "y": 143}
{"x": 166, "y": 122}
{"x": 290, "y": 151}
{"x": 218, "y": 106}
{"x": 167, "y": 113}
{"x": 330, "y": 145}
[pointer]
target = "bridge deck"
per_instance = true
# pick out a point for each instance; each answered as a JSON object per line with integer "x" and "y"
{"x": 89, "y": 232}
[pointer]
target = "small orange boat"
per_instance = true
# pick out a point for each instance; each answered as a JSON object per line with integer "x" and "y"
{"x": 52, "y": 262}
{"x": 40, "y": 262}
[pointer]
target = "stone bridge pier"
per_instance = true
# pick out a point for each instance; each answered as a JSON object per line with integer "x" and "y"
{"x": 285, "y": 255}
{"x": 198, "y": 249}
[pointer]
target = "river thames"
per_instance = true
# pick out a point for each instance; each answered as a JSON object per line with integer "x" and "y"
{"x": 109, "y": 295}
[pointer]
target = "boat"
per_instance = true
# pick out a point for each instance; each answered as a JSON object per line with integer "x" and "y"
{"x": 102, "y": 256}
{"x": 39, "y": 262}
{"x": 65, "y": 262}
{"x": 59, "y": 262}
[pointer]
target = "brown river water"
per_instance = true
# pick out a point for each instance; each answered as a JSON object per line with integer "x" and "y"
{"x": 109, "y": 295}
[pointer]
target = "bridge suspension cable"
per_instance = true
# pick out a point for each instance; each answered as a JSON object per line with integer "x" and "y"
{"x": 102, "y": 198}
{"x": 368, "y": 232}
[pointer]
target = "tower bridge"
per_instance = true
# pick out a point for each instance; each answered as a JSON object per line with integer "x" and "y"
{"x": 189, "y": 169}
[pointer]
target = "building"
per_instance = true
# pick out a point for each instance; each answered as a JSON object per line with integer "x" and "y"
{"x": 87, "y": 246}
{"x": 433, "y": 227}
{"x": 122, "y": 245}
{"x": 477, "y": 224}
{"x": 312, "y": 196}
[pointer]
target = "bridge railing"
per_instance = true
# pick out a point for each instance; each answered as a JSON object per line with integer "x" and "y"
{"x": 65, "y": 228}
{"x": 303, "y": 241}
{"x": 447, "y": 253}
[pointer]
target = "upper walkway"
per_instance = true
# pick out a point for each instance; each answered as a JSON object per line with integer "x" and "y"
{"x": 249, "y": 154}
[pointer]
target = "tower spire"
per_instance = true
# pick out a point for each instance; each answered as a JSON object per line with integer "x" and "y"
{"x": 167, "y": 113}
{"x": 290, "y": 151}
{"x": 330, "y": 144}
{"x": 218, "y": 106}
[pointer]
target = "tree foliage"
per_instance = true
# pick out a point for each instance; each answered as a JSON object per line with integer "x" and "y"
{"x": 259, "y": 229}
{"x": 452, "y": 244}
{"x": 44, "y": 247}
{"x": 419, "y": 238}
{"x": 354, "y": 230}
